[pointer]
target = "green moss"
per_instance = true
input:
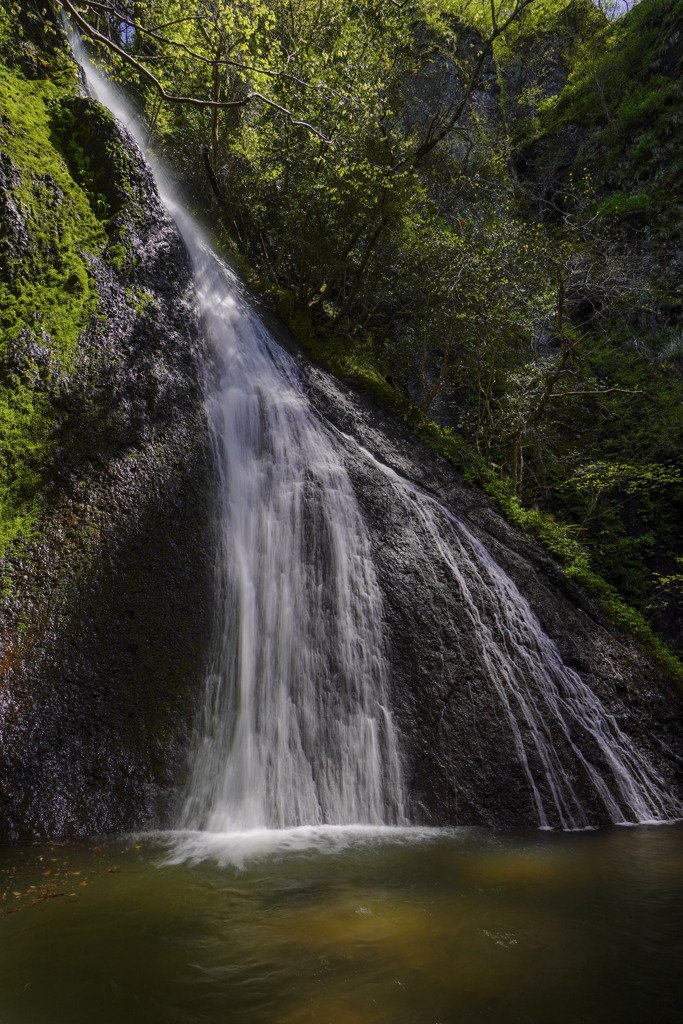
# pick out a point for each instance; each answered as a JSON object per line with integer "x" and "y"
{"x": 117, "y": 256}
{"x": 52, "y": 276}
{"x": 82, "y": 165}
{"x": 621, "y": 204}
{"x": 31, "y": 40}
{"x": 24, "y": 448}
{"x": 626, "y": 91}
{"x": 46, "y": 292}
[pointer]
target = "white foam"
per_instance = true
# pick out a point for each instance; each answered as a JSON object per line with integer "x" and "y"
{"x": 238, "y": 848}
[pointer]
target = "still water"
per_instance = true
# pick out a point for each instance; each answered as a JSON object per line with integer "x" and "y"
{"x": 344, "y": 926}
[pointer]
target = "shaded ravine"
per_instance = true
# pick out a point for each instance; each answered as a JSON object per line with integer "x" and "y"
{"x": 296, "y": 726}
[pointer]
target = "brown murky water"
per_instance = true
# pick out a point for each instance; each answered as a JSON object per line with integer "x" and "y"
{"x": 345, "y": 928}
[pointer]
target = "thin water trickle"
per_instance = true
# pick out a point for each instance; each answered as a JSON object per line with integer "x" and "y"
{"x": 541, "y": 697}
{"x": 296, "y": 727}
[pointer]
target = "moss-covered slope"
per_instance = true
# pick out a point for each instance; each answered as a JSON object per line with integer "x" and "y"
{"x": 49, "y": 230}
{"x": 618, "y": 117}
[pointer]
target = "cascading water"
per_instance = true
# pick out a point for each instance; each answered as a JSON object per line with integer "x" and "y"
{"x": 296, "y": 727}
{"x": 547, "y": 705}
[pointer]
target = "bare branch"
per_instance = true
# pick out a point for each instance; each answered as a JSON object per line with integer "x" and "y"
{"x": 292, "y": 119}
{"x": 603, "y": 391}
{"x": 192, "y": 101}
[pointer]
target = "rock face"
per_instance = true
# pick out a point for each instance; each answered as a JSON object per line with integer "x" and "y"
{"x": 436, "y": 88}
{"x": 103, "y": 619}
{"x": 461, "y": 765}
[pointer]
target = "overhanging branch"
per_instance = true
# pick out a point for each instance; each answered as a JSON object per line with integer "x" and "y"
{"x": 192, "y": 101}
{"x": 211, "y": 61}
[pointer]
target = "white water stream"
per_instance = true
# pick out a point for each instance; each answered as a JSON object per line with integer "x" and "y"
{"x": 296, "y": 728}
{"x": 540, "y": 696}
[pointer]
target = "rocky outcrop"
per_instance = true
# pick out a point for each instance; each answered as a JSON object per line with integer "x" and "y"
{"x": 460, "y": 762}
{"x": 438, "y": 85}
{"x": 538, "y": 64}
{"x": 106, "y": 599}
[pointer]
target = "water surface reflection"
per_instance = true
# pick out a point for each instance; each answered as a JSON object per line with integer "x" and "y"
{"x": 346, "y": 927}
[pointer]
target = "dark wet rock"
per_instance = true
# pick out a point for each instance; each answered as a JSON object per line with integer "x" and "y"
{"x": 27, "y": 359}
{"x": 103, "y": 622}
{"x": 461, "y": 765}
{"x": 14, "y": 238}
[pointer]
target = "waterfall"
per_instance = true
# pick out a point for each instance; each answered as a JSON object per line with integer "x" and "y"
{"x": 296, "y": 725}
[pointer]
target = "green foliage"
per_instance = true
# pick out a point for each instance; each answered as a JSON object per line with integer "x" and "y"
{"x": 626, "y": 477}
{"x": 31, "y": 43}
{"x": 81, "y": 164}
{"x": 625, "y": 87}
{"x": 46, "y": 295}
{"x": 362, "y": 177}
{"x": 621, "y": 204}
{"x": 8, "y": 20}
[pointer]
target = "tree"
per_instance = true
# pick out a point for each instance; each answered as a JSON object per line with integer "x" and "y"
{"x": 299, "y": 109}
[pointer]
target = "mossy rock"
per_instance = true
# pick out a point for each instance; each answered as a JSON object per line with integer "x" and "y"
{"x": 33, "y": 42}
{"x": 90, "y": 141}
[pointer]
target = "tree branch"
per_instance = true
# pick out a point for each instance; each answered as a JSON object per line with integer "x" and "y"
{"x": 98, "y": 37}
{"x": 604, "y": 391}
{"x": 426, "y": 147}
{"x": 192, "y": 101}
{"x": 212, "y": 61}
